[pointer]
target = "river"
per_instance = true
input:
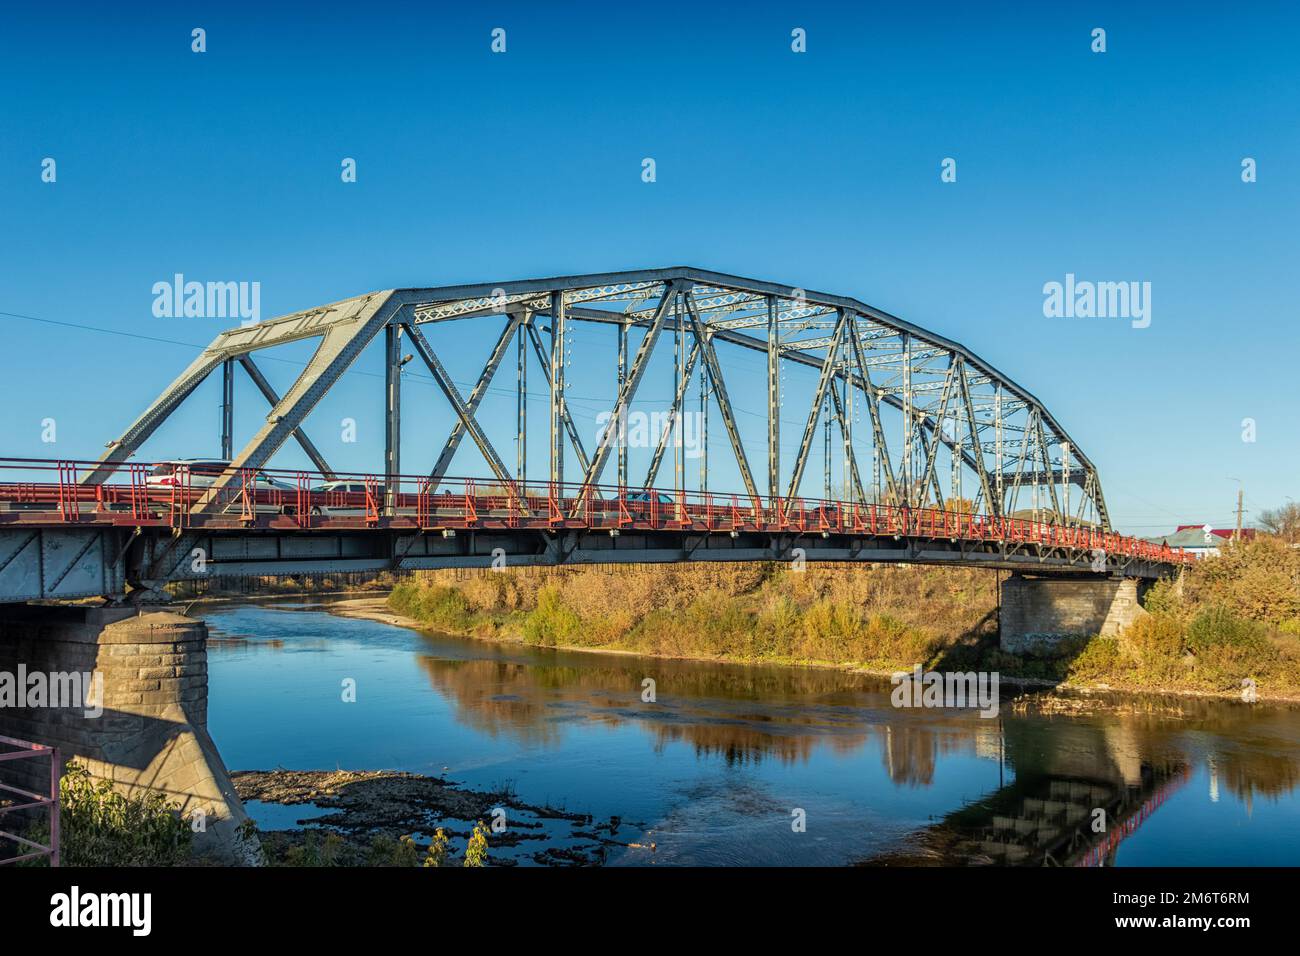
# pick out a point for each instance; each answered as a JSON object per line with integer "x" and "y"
{"x": 753, "y": 765}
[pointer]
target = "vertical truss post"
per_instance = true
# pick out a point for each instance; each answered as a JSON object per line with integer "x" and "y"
{"x": 908, "y": 424}
{"x": 1065, "y": 479}
{"x": 773, "y": 398}
{"x": 997, "y": 445}
{"x": 521, "y": 401}
{"x": 392, "y": 413}
{"x": 681, "y": 379}
{"x": 557, "y": 387}
{"x": 622, "y": 425}
{"x": 227, "y": 409}
{"x": 847, "y": 431}
{"x": 826, "y": 447}
{"x": 704, "y": 429}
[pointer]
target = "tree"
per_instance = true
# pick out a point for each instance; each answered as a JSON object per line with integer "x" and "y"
{"x": 1283, "y": 522}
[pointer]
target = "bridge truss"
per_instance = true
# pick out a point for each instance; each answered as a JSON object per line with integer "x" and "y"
{"x": 906, "y": 417}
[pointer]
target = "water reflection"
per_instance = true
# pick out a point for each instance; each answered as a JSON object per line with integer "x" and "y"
{"x": 884, "y": 785}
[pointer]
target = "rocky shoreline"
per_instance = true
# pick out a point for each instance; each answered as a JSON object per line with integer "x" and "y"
{"x": 369, "y": 813}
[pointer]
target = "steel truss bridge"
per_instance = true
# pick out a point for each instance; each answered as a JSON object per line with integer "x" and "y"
{"x": 941, "y": 458}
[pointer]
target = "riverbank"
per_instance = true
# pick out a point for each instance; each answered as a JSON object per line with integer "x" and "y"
{"x": 1095, "y": 694}
{"x": 1232, "y": 626}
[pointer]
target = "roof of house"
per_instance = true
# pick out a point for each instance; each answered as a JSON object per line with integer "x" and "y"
{"x": 1247, "y": 534}
{"x": 1191, "y": 536}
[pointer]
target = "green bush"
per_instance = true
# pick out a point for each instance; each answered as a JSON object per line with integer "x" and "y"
{"x": 100, "y": 827}
{"x": 1217, "y": 626}
{"x": 1099, "y": 659}
{"x": 1153, "y": 638}
{"x": 476, "y": 851}
{"x": 552, "y": 621}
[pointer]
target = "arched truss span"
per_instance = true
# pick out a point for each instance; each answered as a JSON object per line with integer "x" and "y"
{"x": 905, "y": 415}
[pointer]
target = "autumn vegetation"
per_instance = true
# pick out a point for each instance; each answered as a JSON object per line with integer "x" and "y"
{"x": 1230, "y": 618}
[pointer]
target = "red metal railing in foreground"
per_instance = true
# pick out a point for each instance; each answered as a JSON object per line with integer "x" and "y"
{"x": 11, "y": 751}
{"x": 39, "y": 492}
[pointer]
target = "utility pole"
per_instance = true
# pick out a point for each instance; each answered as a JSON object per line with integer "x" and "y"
{"x": 1240, "y": 492}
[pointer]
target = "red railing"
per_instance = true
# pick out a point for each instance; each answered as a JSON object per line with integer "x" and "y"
{"x": 11, "y": 751}
{"x": 38, "y": 492}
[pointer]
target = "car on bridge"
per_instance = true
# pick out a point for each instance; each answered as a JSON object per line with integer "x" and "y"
{"x": 341, "y": 499}
{"x": 270, "y": 495}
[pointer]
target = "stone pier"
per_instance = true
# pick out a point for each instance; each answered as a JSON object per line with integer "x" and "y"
{"x": 152, "y": 733}
{"x": 1038, "y": 613}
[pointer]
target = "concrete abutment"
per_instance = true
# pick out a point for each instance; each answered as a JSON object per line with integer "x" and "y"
{"x": 1038, "y": 614}
{"x": 148, "y": 676}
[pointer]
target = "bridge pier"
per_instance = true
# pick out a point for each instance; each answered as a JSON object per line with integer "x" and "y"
{"x": 1037, "y": 614}
{"x": 141, "y": 722}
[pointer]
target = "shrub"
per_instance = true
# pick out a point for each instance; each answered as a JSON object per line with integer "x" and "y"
{"x": 100, "y": 827}
{"x": 439, "y": 849}
{"x": 1099, "y": 658}
{"x": 1217, "y": 626}
{"x": 476, "y": 850}
{"x": 552, "y": 621}
{"x": 1153, "y": 639}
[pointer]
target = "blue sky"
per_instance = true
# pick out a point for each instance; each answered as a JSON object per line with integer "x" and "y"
{"x": 820, "y": 170}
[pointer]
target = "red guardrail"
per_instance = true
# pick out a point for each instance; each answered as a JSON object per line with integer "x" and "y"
{"x": 282, "y": 498}
{"x": 11, "y": 751}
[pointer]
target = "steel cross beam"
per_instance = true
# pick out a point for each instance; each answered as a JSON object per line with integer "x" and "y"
{"x": 720, "y": 393}
{"x": 819, "y": 397}
{"x": 299, "y": 435}
{"x": 846, "y": 433}
{"x": 574, "y": 438}
{"x": 463, "y": 411}
{"x": 666, "y": 434}
{"x": 995, "y": 507}
{"x": 932, "y": 447}
{"x": 344, "y": 329}
{"x": 666, "y": 302}
{"x": 873, "y": 412}
{"x": 475, "y": 397}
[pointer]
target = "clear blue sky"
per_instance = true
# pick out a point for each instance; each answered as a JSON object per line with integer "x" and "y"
{"x": 819, "y": 170}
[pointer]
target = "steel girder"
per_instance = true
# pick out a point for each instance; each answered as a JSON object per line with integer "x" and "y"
{"x": 948, "y": 398}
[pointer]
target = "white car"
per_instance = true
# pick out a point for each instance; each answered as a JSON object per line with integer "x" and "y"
{"x": 340, "y": 498}
{"x": 203, "y": 473}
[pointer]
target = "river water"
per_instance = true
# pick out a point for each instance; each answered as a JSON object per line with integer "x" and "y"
{"x": 754, "y": 765}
